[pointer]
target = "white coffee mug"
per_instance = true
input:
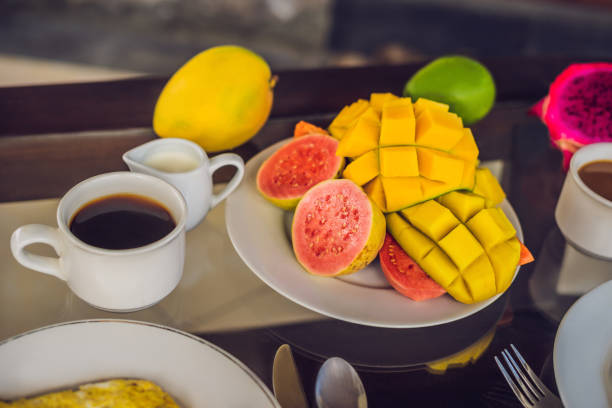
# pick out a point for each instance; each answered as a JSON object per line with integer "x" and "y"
{"x": 584, "y": 217}
{"x": 185, "y": 165}
{"x": 115, "y": 280}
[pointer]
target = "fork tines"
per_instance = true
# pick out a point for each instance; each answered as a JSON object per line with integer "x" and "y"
{"x": 527, "y": 388}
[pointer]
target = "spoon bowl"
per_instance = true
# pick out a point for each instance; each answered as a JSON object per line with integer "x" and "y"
{"x": 338, "y": 386}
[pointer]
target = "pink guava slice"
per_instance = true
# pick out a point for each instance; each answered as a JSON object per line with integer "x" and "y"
{"x": 297, "y": 166}
{"x": 578, "y": 108}
{"x": 336, "y": 229}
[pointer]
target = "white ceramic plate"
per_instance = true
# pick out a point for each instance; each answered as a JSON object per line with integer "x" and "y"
{"x": 583, "y": 351}
{"x": 258, "y": 231}
{"x": 196, "y": 373}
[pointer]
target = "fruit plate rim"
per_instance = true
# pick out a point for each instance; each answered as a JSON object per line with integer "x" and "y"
{"x": 257, "y": 232}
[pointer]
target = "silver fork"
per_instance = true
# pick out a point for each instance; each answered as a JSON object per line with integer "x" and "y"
{"x": 529, "y": 389}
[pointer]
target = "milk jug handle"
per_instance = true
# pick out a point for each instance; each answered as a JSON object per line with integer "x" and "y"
{"x": 226, "y": 159}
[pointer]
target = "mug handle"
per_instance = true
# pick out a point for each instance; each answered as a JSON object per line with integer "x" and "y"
{"x": 37, "y": 233}
{"x": 226, "y": 159}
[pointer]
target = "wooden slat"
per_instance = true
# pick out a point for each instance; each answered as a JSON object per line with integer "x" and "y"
{"x": 129, "y": 103}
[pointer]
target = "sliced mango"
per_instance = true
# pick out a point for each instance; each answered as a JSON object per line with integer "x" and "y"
{"x": 397, "y": 123}
{"x": 421, "y": 140}
{"x": 363, "y": 169}
{"x": 431, "y": 218}
{"x": 347, "y": 118}
{"x": 469, "y": 250}
{"x": 399, "y": 161}
{"x": 488, "y": 187}
{"x": 374, "y": 190}
{"x": 398, "y": 190}
{"x": 438, "y": 129}
{"x": 440, "y": 166}
{"x": 362, "y": 137}
{"x": 423, "y": 104}
{"x": 466, "y": 147}
{"x": 377, "y": 100}
{"x": 463, "y": 205}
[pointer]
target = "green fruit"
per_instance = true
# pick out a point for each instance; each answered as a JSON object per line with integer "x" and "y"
{"x": 461, "y": 82}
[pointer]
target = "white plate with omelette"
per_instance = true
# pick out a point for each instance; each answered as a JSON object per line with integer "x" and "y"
{"x": 194, "y": 372}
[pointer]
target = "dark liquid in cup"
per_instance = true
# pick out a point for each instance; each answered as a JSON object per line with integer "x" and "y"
{"x": 121, "y": 221}
{"x": 597, "y": 175}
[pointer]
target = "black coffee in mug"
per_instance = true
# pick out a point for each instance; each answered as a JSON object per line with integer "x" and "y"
{"x": 121, "y": 221}
{"x": 597, "y": 175}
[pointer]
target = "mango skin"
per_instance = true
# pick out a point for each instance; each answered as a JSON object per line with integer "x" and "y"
{"x": 219, "y": 99}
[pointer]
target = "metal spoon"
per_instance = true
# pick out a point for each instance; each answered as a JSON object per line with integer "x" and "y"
{"x": 338, "y": 386}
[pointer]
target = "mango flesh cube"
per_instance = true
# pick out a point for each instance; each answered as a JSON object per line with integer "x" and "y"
{"x": 504, "y": 258}
{"x": 463, "y": 205}
{"x": 362, "y": 137}
{"x": 431, "y": 218}
{"x": 488, "y": 187}
{"x": 416, "y": 245}
{"x": 461, "y": 246}
{"x": 401, "y": 191}
{"x": 466, "y": 148}
{"x": 480, "y": 279}
{"x": 468, "y": 179}
{"x": 485, "y": 228}
{"x": 502, "y": 221}
{"x": 426, "y": 104}
{"x": 378, "y": 99}
{"x": 400, "y": 161}
{"x": 439, "y": 267}
{"x": 362, "y": 169}
{"x": 439, "y": 166}
{"x": 432, "y": 188}
{"x": 374, "y": 190}
{"x": 398, "y": 123}
{"x": 347, "y": 118}
{"x": 437, "y": 129}
{"x": 459, "y": 290}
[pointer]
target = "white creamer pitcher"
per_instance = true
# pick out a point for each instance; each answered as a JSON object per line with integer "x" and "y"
{"x": 185, "y": 165}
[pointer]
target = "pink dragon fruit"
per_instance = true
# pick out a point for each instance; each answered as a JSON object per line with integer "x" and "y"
{"x": 578, "y": 108}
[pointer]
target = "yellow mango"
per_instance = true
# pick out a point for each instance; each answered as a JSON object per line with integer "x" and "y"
{"x": 374, "y": 190}
{"x": 438, "y": 130}
{"x": 469, "y": 250}
{"x": 347, "y": 118}
{"x": 363, "y": 169}
{"x": 399, "y": 161}
{"x": 468, "y": 178}
{"x": 440, "y": 268}
{"x": 362, "y": 137}
{"x": 400, "y": 190}
{"x": 461, "y": 246}
{"x": 397, "y": 123}
{"x": 462, "y": 204}
{"x": 444, "y": 157}
{"x": 440, "y": 166}
{"x": 377, "y": 100}
{"x": 425, "y": 104}
{"x": 480, "y": 279}
{"x": 466, "y": 148}
{"x": 459, "y": 290}
{"x": 431, "y": 218}
{"x": 485, "y": 227}
{"x": 409, "y": 237}
{"x": 504, "y": 258}
{"x": 488, "y": 187}
{"x": 433, "y": 188}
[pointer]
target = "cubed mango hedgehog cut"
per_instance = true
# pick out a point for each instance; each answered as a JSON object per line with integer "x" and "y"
{"x": 470, "y": 250}
{"x": 404, "y": 153}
